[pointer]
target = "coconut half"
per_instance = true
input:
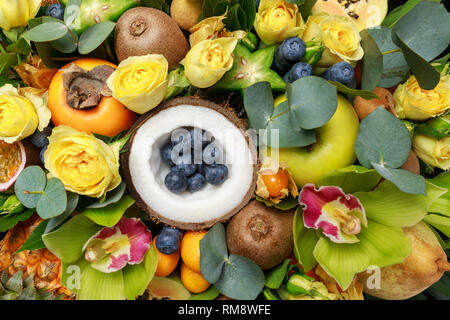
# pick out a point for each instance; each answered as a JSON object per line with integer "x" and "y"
{"x": 144, "y": 170}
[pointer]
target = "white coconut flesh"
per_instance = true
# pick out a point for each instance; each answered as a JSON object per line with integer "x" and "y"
{"x": 148, "y": 170}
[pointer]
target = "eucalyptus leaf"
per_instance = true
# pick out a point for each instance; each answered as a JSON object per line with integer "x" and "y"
{"x": 21, "y": 47}
{"x": 72, "y": 202}
{"x": 275, "y": 277}
{"x": 305, "y": 240}
{"x": 241, "y": 279}
{"x": 110, "y": 215}
{"x": 34, "y": 241}
{"x": 383, "y": 139}
{"x": 67, "y": 44}
{"x": 94, "y": 36}
{"x": 53, "y": 201}
{"x": 366, "y": 94}
{"x": 398, "y": 12}
{"x": 372, "y": 62}
{"x": 351, "y": 179}
{"x": 45, "y": 32}
{"x": 112, "y": 196}
{"x": 29, "y": 186}
{"x": 425, "y": 29}
{"x": 259, "y": 104}
{"x": 312, "y": 101}
{"x": 213, "y": 253}
{"x": 427, "y": 76}
{"x": 406, "y": 181}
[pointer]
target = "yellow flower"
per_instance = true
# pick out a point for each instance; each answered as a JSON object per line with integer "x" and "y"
{"x": 20, "y": 115}
{"x": 140, "y": 83}
{"x": 432, "y": 151}
{"x": 208, "y": 61}
{"x": 338, "y": 34}
{"x": 277, "y": 20}
{"x": 206, "y": 29}
{"x": 414, "y": 103}
{"x": 83, "y": 163}
{"x": 16, "y": 13}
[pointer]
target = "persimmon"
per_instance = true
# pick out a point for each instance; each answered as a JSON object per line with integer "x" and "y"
{"x": 276, "y": 182}
{"x": 108, "y": 117}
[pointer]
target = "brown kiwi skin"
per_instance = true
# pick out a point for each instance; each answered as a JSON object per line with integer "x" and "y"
{"x": 262, "y": 234}
{"x": 226, "y": 112}
{"x": 141, "y": 31}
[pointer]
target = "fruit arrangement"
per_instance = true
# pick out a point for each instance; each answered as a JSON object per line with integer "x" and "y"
{"x": 224, "y": 149}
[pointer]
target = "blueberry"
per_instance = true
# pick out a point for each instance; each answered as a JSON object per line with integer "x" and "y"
{"x": 175, "y": 231}
{"x": 168, "y": 242}
{"x": 40, "y": 138}
{"x": 212, "y": 154}
{"x": 166, "y": 154}
{"x": 196, "y": 182}
{"x": 200, "y": 167}
{"x": 291, "y": 49}
{"x": 216, "y": 174}
{"x": 41, "y": 154}
{"x": 287, "y": 77}
{"x": 299, "y": 70}
{"x": 176, "y": 181}
{"x": 279, "y": 62}
{"x": 55, "y": 11}
{"x": 341, "y": 72}
{"x": 188, "y": 169}
{"x": 197, "y": 138}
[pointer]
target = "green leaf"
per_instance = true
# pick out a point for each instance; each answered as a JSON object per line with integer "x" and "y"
{"x": 275, "y": 277}
{"x": 137, "y": 277}
{"x": 210, "y": 294}
{"x": 112, "y": 196}
{"x": 287, "y": 137}
{"x": 71, "y": 11}
{"x": 9, "y": 221}
{"x": 259, "y": 104}
{"x": 406, "y": 181}
{"x": 427, "y": 76}
{"x": 375, "y": 141}
{"x": 67, "y": 242}
{"x": 96, "y": 285}
{"x": 213, "y": 253}
{"x": 67, "y": 44}
{"x": 384, "y": 245}
{"x": 21, "y": 47}
{"x": 7, "y": 60}
{"x": 351, "y": 179}
{"x": 391, "y": 207}
{"x": 34, "y": 241}
{"x": 436, "y": 127}
{"x": 72, "y": 202}
{"x": 53, "y": 201}
{"x": 94, "y": 36}
{"x": 425, "y": 29}
{"x": 29, "y": 186}
{"x": 366, "y": 94}
{"x": 312, "y": 102}
{"x": 306, "y": 7}
{"x": 395, "y": 67}
{"x": 285, "y": 204}
{"x": 441, "y": 289}
{"x": 441, "y": 223}
{"x": 400, "y": 11}
{"x": 372, "y": 63}
{"x": 241, "y": 279}
{"x": 231, "y": 21}
{"x": 305, "y": 240}
{"x": 341, "y": 260}
{"x": 12, "y": 205}
{"x": 109, "y": 216}
{"x": 47, "y": 31}
{"x": 14, "y": 82}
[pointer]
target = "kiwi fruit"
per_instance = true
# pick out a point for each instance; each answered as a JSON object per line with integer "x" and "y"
{"x": 262, "y": 234}
{"x": 364, "y": 107}
{"x": 141, "y": 31}
{"x": 186, "y": 12}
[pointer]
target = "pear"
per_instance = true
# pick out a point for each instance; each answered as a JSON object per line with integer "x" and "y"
{"x": 424, "y": 266}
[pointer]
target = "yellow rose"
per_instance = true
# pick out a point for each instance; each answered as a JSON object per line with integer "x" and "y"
{"x": 206, "y": 29}
{"x": 208, "y": 60}
{"x": 83, "y": 163}
{"x": 277, "y": 20}
{"x": 140, "y": 83}
{"x": 432, "y": 151}
{"x": 414, "y": 103}
{"x": 20, "y": 115}
{"x": 338, "y": 34}
{"x": 16, "y": 13}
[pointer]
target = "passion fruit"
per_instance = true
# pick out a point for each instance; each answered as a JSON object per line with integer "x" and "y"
{"x": 144, "y": 169}
{"x": 14, "y": 158}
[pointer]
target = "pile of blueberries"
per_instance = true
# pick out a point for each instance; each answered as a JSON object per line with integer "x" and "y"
{"x": 40, "y": 140}
{"x": 194, "y": 159}
{"x": 168, "y": 240}
{"x": 291, "y": 50}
